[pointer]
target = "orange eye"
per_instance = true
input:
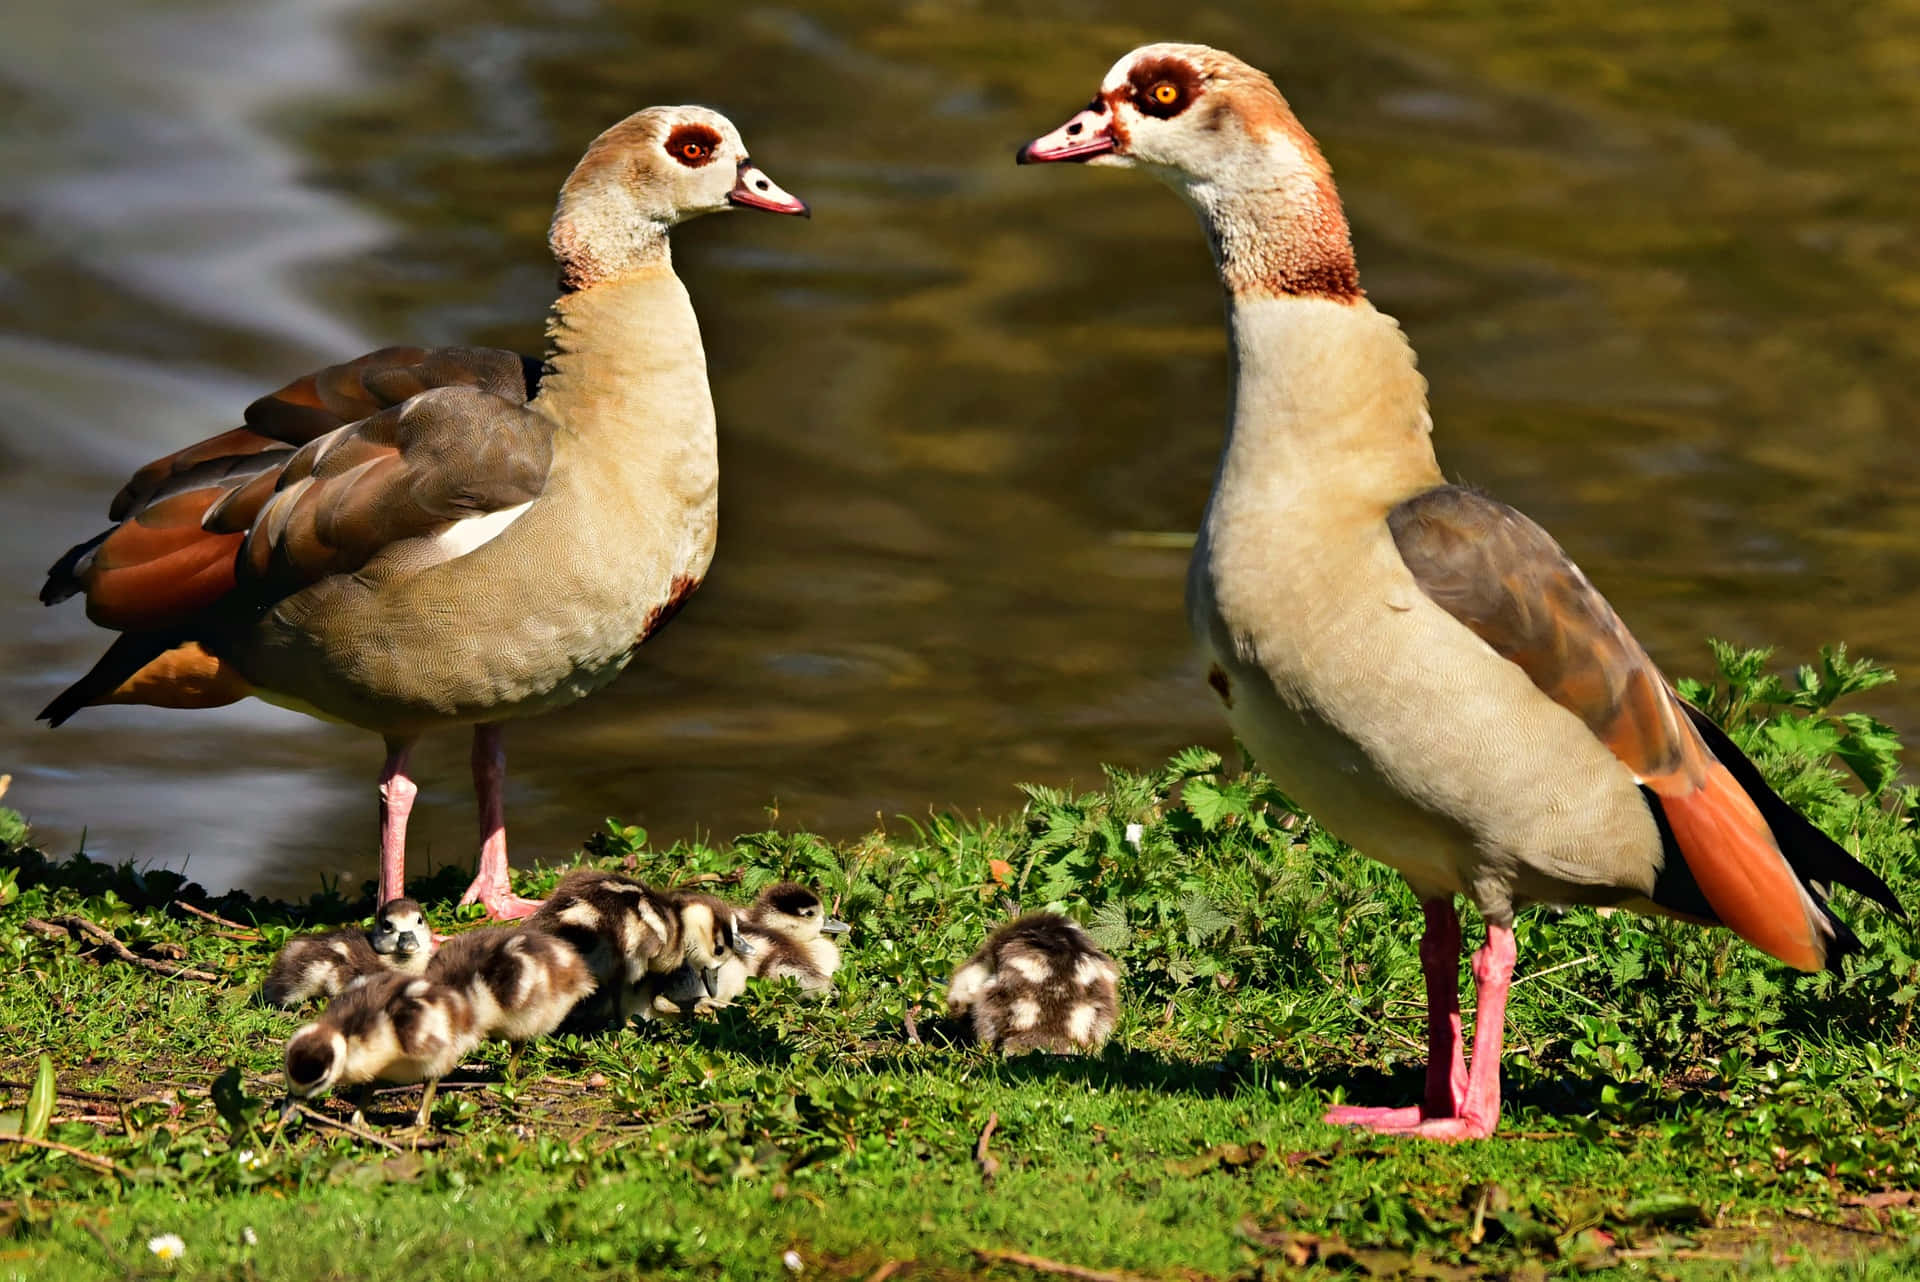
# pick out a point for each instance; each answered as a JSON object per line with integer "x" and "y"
{"x": 1165, "y": 93}
{"x": 694, "y": 150}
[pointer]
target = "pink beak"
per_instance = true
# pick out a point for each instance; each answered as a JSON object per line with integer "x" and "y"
{"x": 1088, "y": 134}
{"x": 754, "y": 190}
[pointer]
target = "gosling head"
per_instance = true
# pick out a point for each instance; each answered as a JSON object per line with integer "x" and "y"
{"x": 316, "y": 1057}
{"x": 401, "y": 935}
{"x": 649, "y": 173}
{"x": 793, "y": 910}
{"x": 710, "y": 934}
{"x": 1217, "y": 131}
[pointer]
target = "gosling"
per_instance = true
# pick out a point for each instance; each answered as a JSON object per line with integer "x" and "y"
{"x": 787, "y": 929}
{"x": 386, "y": 1027}
{"x": 1038, "y": 983}
{"x": 626, "y": 931}
{"x": 521, "y": 982}
{"x": 322, "y": 965}
{"x": 685, "y": 992}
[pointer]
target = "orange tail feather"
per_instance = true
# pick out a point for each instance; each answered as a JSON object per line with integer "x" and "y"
{"x": 1731, "y": 852}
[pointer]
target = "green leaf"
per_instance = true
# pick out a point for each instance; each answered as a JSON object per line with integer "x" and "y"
{"x": 236, "y": 1108}
{"x": 1110, "y": 928}
{"x": 1211, "y": 803}
{"x": 39, "y": 1102}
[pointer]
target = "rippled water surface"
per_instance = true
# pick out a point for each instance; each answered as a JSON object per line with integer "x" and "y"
{"x": 1661, "y": 267}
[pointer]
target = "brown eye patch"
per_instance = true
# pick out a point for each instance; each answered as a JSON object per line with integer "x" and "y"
{"x": 692, "y": 145}
{"x": 1163, "y": 87}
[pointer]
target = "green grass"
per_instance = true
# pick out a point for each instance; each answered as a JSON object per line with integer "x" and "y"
{"x": 1678, "y": 1106}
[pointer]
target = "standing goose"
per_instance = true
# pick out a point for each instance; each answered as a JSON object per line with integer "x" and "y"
{"x": 424, "y": 538}
{"x": 1420, "y": 666}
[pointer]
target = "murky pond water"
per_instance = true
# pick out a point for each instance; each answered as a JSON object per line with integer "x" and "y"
{"x": 1662, "y": 269}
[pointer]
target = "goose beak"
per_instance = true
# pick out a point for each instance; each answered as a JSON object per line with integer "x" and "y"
{"x": 1088, "y": 134}
{"x": 754, "y": 190}
{"x": 710, "y": 980}
{"x": 289, "y": 1109}
{"x": 406, "y": 943}
{"x": 834, "y": 926}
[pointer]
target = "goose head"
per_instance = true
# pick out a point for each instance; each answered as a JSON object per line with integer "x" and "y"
{"x": 1217, "y": 131}
{"x": 651, "y": 172}
{"x": 400, "y": 934}
{"x": 794, "y": 911}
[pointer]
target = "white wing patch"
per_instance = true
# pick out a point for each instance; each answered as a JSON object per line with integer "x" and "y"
{"x": 463, "y": 537}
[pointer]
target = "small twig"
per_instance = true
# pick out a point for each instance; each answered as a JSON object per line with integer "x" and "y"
{"x": 989, "y": 1164}
{"x": 215, "y": 918}
{"x": 68, "y": 926}
{"x": 1540, "y": 974}
{"x": 355, "y": 1131}
{"x": 92, "y": 1159}
{"x": 885, "y": 1271}
{"x": 913, "y": 1029}
{"x": 1039, "y": 1265}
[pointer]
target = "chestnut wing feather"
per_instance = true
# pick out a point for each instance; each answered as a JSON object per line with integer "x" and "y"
{"x": 182, "y": 519}
{"x": 1507, "y": 580}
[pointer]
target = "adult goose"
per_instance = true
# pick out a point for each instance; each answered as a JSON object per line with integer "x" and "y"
{"x": 424, "y": 538}
{"x": 1419, "y": 665}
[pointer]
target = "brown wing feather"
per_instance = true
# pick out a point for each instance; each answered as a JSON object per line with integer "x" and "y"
{"x": 1506, "y": 579}
{"x": 1509, "y": 582}
{"x": 327, "y": 472}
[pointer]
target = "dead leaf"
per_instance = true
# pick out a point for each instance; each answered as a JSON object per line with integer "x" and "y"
{"x": 1228, "y": 1156}
{"x": 1882, "y": 1200}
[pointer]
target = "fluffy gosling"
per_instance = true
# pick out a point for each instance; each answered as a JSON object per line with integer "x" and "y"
{"x": 788, "y": 932}
{"x": 322, "y": 965}
{"x": 626, "y": 931}
{"x": 386, "y": 1027}
{"x": 682, "y": 993}
{"x": 521, "y": 982}
{"x": 1038, "y": 983}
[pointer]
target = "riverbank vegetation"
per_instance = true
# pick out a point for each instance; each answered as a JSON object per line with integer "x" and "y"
{"x": 1679, "y": 1106}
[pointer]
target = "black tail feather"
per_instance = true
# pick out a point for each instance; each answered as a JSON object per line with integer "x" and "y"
{"x": 130, "y": 652}
{"x": 63, "y": 580}
{"x": 1810, "y": 853}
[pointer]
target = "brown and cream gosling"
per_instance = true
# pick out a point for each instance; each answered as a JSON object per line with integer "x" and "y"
{"x": 322, "y": 965}
{"x": 521, "y": 982}
{"x": 1038, "y": 983}
{"x": 385, "y": 1027}
{"x": 787, "y": 934}
{"x": 687, "y": 991}
{"x": 626, "y": 931}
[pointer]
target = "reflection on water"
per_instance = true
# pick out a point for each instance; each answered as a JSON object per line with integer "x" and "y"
{"x": 1661, "y": 268}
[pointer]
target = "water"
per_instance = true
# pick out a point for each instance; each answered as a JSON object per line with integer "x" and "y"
{"x": 1661, "y": 268}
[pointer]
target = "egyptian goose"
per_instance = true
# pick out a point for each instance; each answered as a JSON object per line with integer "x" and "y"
{"x": 384, "y": 1028}
{"x": 787, "y": 935}
{"x": 322, "y": 965}
{"x": 521, "y": 982}
{"x": 1420, "y": 666}
{"x": 448, "y": 537}
{"x": 1039, "y": 982}
{"x": 628, "y": 932}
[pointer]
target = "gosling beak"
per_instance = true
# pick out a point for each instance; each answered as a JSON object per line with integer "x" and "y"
{"x": 743, "y": 946}
{"x": 834, "y": 926}
{"x": 1088, "y": 134}
{"x": 406, "y": 943}
{"x": 289, "y": 1109}
{"x": 710, "y": 980}
{"x": 754, "y": 190}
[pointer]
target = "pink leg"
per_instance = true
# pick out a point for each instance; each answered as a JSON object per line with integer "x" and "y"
{"x": 1446, "y": 1063}
{"x": 1477, "y": 1110}
{"x": 397, "y": 792}
{"x": 490, "y": 886}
